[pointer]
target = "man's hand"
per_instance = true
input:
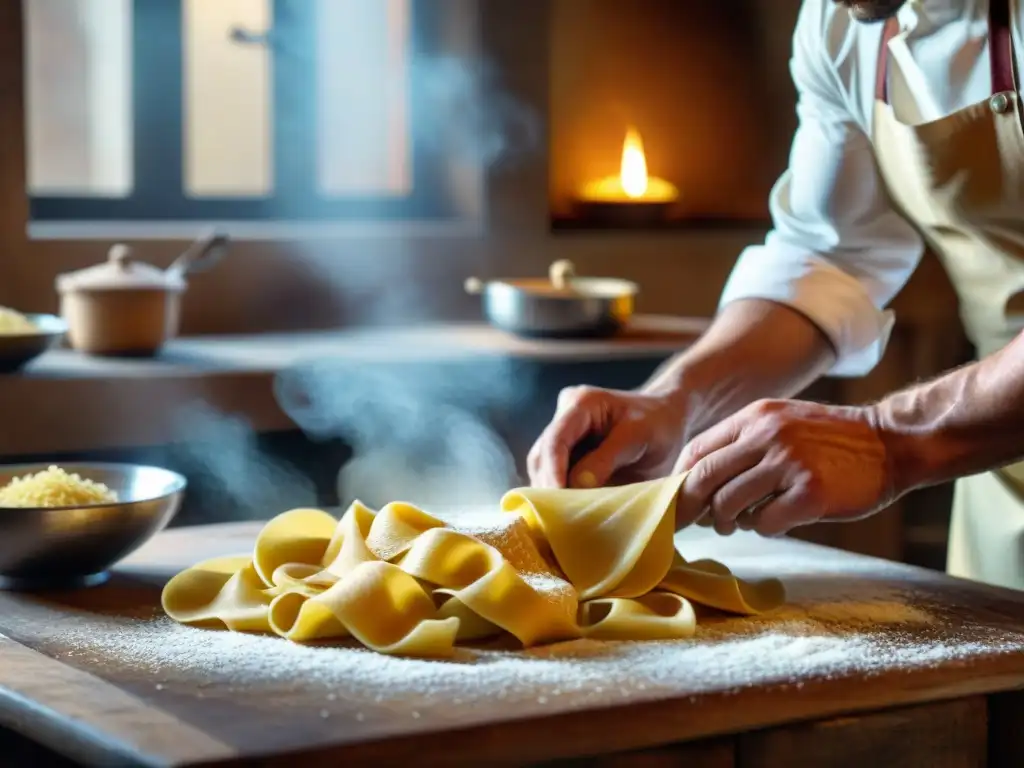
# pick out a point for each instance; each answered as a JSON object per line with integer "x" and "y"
{"x": 779, "y": 464}
{"x": 640, "y": 437}
{"x": 736, "y": 361}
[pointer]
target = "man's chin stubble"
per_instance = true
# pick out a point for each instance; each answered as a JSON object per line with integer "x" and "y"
{"x": 871, "y": 11}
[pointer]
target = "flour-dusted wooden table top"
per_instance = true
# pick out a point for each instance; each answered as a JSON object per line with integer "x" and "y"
{"x": 69, "y": 402}
{"x": 101, "y": 675}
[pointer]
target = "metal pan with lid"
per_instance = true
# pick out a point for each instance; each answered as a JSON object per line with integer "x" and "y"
{"x": 562, "y": 306}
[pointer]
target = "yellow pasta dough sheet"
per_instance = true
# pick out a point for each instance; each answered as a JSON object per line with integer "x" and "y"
{"x": 551, "y": 565}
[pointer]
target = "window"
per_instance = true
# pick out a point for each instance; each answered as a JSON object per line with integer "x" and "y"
{"x": 191, "y": 111}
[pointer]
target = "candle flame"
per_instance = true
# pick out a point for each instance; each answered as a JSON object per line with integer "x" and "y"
{"x": 633, "y": 172}
{"x": 631, "y": 184}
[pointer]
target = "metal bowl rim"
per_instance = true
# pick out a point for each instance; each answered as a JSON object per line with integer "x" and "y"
{"x": 180, "y": 483}
{"x": 617, "y": 289}
{"x": 60, "y": 328}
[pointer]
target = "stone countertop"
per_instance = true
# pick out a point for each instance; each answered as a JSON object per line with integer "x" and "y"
{"x": 67, "y": 402}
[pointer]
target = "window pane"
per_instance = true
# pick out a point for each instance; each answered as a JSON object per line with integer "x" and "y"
{"x": 227, "y": 94}
{"x": 363, "y": 52}
{"x": 78, "y": 88}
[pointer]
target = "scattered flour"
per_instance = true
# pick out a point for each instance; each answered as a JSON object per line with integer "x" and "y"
{"x": 819, "y": 639}
{"x": 844, "y": 617}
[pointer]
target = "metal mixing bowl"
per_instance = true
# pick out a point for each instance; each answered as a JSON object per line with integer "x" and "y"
{"x": 74, "y": 546}
{"x": 17, "y": 350}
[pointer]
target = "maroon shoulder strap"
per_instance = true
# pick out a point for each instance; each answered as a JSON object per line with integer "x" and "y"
{"x": 1000, "y": 45}
{"x": 892, "y": 26}
{"x": 1000, "y": 50}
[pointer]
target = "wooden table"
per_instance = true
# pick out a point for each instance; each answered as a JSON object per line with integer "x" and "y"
{"x": 870, "y": 663}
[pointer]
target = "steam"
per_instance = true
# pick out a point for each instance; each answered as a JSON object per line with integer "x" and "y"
{"x": 421, "y": 433}
{"x": 466, "y": 119}
{"x": 418, "y": 434}
{"x": 220, "y": 453}
{"x": 468, "y": 113}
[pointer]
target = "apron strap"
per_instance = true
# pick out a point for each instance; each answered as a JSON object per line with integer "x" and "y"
{"x": 1000, "y": 45}
{"x": 1000, "y": 50}
{"x": 892, "y": 26}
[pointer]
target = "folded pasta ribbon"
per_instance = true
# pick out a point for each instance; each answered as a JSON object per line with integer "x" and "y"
{"x": 552, "y": 565}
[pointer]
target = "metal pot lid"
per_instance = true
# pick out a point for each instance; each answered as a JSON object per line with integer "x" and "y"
{"x": 562, "y": 283}
{"x": 120, "y": 272}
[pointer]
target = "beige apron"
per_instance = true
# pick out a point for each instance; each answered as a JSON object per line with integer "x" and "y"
{"x": 960, "y": 180}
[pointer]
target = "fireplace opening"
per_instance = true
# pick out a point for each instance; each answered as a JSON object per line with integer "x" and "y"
{"x": 667, "y": 114}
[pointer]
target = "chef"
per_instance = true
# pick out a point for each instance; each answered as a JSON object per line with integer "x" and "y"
{"x": 909, "y": 133}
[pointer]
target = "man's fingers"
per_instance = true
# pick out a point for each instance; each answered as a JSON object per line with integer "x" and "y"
{"x": 706, "y": 443}
{"x": 776, "y": 517}
{"x": 618, "y": 450}
{"x": 723, "y": 527}
{"x": 746, "y": 490}
{"x": 569, "y": 397}
{"x": 747, "y": 520}
{"x": 577, "y": 413}
{"x": 714, "y": 471}
{"x": 549, "y": 459}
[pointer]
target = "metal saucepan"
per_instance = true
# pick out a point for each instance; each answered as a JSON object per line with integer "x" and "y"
{"x": 563, "y": 306}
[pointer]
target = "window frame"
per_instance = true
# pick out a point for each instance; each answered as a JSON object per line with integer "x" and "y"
{"x": 158, "y": 193}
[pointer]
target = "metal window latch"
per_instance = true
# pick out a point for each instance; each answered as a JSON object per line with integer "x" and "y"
{"x": 275, "y": 41}
{"x": 248, "y": 37}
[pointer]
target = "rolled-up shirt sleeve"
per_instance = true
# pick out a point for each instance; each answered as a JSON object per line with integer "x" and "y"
{"x": 838, "y": 253}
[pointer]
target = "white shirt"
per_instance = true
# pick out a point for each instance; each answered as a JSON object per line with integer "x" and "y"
{"x": 837, "y": 252}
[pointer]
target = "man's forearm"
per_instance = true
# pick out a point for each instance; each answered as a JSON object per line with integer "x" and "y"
{"x": 965, "y": 422}
{"x": 755, "y": 349}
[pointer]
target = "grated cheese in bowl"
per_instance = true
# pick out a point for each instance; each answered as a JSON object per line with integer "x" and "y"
{"x": 54, "y": 487}
{"x": 15, "y": 324}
